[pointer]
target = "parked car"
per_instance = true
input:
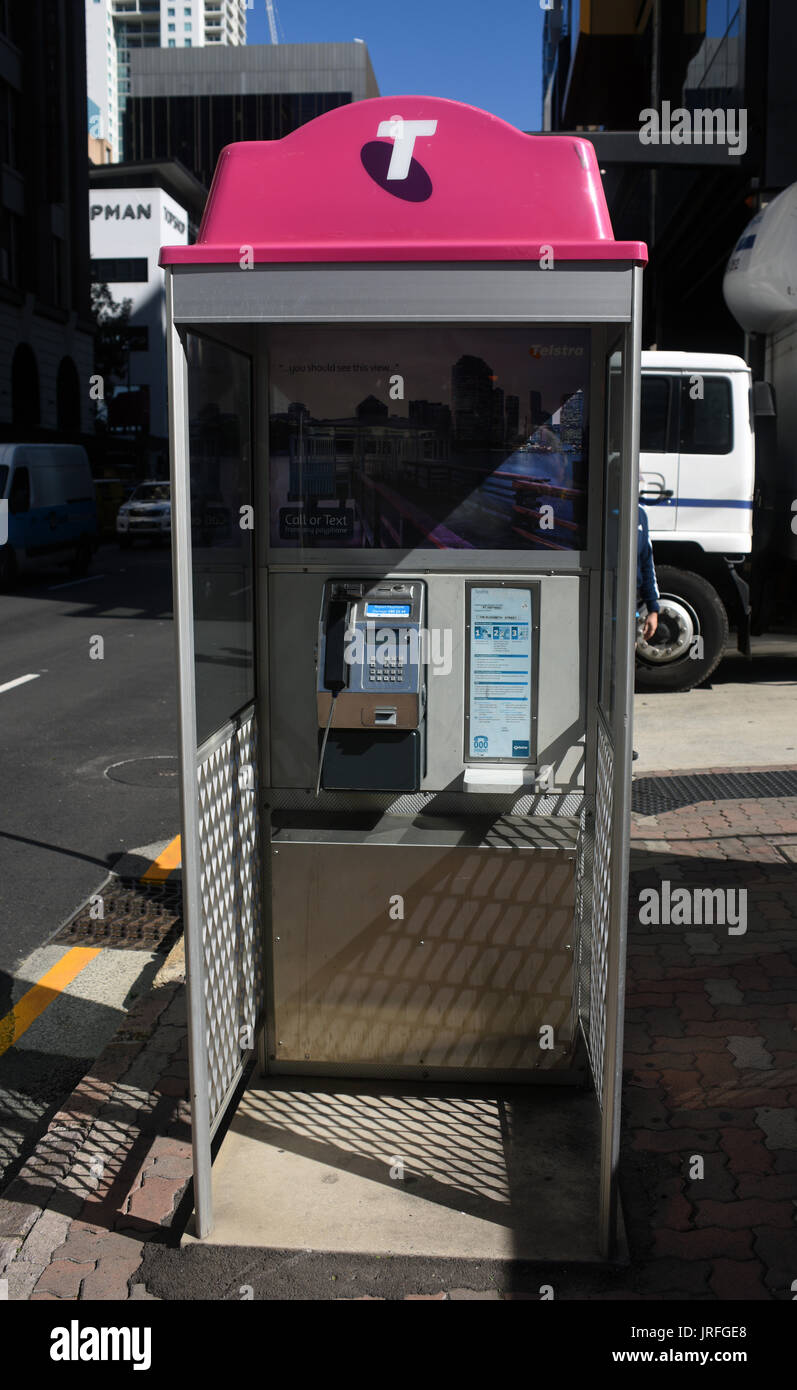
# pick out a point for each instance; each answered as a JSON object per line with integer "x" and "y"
{"x": 146, "y": 514}
{"x": 52, "y": 509}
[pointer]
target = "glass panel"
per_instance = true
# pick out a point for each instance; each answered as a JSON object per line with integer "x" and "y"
{"x": 219, "y": 403}
{"x": 444, "y": 438}
{"x": 706, "y": 422}
{"x": 611, "y": 518}
{"x": 655, "y": 410}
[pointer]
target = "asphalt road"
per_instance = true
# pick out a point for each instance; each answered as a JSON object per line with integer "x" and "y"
{"x": 64, "y": 823}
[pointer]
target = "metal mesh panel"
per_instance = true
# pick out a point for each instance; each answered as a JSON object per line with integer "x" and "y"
{"x": 431, "y": 803}
{"x": 584, "y": 870}
{"x": 601, "y": 897}
{"x": 229, "y": 851}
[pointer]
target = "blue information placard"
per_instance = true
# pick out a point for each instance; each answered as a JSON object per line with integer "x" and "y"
{"x": 499, "y": 678}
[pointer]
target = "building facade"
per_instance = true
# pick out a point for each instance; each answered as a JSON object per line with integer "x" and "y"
{"x": 718, "y": 74}
{"x": 46, "y": 333}
{"x": 115, "y": 29}
{"x": 188, "y": 105}
{"x": 133, "y": 210}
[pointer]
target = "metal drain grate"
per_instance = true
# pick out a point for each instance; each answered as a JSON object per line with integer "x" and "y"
{"x": 649, "y": 795}
{"x": 136, "y": 917}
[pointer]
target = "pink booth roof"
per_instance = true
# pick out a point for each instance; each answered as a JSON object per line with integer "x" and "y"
{"x": 406, "y": 179}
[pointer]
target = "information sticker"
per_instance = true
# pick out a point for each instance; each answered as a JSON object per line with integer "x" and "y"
{"x": 500, "y": 673}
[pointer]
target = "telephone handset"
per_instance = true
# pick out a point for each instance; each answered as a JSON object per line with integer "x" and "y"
{"x": 335, "y": 645}
{"x": 371, "y": 676}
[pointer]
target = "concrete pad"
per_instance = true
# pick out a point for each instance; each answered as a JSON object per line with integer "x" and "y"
{"x": 473, "y": 1172}
{"x": 716, "y": 726}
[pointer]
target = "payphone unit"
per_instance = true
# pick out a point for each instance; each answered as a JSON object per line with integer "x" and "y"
{"x": 371, "y": 689}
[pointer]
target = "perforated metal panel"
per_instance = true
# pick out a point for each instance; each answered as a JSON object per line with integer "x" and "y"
{"x": 584, "y": 869}
{"x": 600, "y": 906}
{"x": 431, "y": 803}
{"x": 229, "y": 851}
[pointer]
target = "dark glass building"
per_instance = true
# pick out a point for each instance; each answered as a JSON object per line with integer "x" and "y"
{"x": 46, "y": 335}
{"x": 605, "y": 64}
{"x": 187, "y": 104}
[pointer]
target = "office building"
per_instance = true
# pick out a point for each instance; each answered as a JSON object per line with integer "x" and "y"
{"x": 133, "y": 211}
{"x": 721, "y": 72}
{"x": 46, "y": 333}
{"x": 189, "y": 104}
{"x": 116, "y": 29}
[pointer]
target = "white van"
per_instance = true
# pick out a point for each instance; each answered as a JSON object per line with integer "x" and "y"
{"x": 48, "y": 509}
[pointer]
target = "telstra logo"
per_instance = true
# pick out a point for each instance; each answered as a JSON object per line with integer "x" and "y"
{"x": 394, "y": 168}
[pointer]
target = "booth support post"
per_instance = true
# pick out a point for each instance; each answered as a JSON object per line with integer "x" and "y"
{"x": 187, "y": 741}
{"x": 623, "y": 763}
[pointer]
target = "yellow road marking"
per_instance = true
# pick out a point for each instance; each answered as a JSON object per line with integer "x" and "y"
{"x": 167, "y": 860}
{"x": 40, "y": 995}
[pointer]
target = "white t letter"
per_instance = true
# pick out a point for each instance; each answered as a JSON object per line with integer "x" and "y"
{"x": 404, "y": 135}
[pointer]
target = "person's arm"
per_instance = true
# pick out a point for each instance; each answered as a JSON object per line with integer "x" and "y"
{"x": 648, "y": 586}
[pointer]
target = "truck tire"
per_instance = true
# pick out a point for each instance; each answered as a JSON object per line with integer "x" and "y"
{"x": 690, "y": 609}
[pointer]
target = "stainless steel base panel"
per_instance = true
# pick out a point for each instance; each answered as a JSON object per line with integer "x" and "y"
{"x": 412, "y": 946}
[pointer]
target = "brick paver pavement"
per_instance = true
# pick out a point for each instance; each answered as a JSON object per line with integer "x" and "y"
{"x": 709, "y": 1148}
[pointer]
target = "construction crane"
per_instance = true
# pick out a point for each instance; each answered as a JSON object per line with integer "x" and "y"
{"x": 272, "y": 21}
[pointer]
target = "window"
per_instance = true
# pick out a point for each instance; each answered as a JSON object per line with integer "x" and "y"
{"x": 152, "y": 492}
{"x": 219, "y": 403}
{"x": 122, "y": 269}
{"x": 655, "y": 413}
{"x": 489, "y": 450}
{"x": 19, "y": 497}
{"x": 706, "y": 425}
{"x": 9, "y": 125}
{"x": 138, "y": 338}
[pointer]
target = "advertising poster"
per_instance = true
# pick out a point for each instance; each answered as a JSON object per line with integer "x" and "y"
{"x": 409, "y": 437}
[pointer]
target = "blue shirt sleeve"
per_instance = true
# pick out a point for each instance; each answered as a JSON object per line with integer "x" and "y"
{"x": 647, "y": 588}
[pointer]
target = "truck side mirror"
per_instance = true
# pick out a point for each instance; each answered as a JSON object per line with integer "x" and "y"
{"x": 763, "y": 400}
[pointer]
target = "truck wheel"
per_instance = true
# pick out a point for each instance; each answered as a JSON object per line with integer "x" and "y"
{"x": 8, "y": 568}
{"x": 690, "y": 639}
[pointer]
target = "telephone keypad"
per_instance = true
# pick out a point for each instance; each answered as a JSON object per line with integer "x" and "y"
{"x": 391, "y": 672}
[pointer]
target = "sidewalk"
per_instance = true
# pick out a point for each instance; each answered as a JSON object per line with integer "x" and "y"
{"x": 710, "y": 1088}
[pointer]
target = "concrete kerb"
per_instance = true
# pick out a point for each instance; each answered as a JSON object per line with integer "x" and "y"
{"x": 109, "y": 1172}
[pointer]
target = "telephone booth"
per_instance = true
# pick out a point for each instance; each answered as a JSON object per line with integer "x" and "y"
{"x": 404, "y": 385}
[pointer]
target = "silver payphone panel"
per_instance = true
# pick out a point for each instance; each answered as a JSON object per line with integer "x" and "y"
{"x": 371, "y": 684}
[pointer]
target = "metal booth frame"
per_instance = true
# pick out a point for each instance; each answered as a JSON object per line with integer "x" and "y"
{"x": 223, "y": 778}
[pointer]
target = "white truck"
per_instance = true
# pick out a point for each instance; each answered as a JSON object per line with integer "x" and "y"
{"x": 697, "y": 485}
{"x": 718, "y": 467}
